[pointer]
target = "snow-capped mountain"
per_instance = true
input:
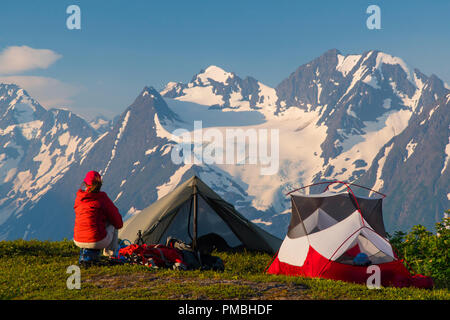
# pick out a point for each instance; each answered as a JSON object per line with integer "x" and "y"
{"x": 219, "y": 89}
{"x": 38, "y": 146}
{"x": 365, "y": 117}
{"x": 334, "y": 115}
{"x": 101, "y": 124}
{"x": 135, "y": 162}
{"x": 352, "y": 92}
{"x": 413, "y": 167}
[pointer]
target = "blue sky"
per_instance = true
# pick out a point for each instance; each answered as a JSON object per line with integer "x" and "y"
{"x": 125, "y": 45}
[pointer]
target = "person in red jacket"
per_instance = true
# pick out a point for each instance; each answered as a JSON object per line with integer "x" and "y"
{"x": 97, "y": 219}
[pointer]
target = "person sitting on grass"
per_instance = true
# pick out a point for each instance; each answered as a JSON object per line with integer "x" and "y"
{"x": 97, "y": 220}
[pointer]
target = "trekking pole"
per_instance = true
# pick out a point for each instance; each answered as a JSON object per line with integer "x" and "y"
{"x": 139, "y": 240}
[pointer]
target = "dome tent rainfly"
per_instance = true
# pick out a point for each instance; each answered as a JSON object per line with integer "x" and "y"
{"x": 328, "y": 230}
{"x": 192, "y": 211}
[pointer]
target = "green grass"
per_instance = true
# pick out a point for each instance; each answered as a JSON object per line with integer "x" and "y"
{"x": 37, "y": 270}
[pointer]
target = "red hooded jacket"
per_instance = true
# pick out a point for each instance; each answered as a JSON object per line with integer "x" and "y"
{"x": 93, "y": 210}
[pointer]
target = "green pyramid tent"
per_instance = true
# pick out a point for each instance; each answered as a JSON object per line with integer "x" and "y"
{"x": 193, "y": 211}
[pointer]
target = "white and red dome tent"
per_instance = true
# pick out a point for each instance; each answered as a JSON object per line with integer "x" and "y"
{"x": 328, "y": 230}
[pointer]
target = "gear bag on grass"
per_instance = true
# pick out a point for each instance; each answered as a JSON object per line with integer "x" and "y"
{"x": 196, "y": 260}
{"x": 156, "y": 256}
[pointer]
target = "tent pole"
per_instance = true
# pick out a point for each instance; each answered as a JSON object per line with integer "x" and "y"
{"x": 194, "y": 240}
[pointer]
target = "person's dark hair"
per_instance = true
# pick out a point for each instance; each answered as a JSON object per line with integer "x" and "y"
{"x": 95, "y": 187}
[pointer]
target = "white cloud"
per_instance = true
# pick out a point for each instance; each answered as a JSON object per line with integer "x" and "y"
{"x": 17, "y": 59}
{"x": 49, "y": 92}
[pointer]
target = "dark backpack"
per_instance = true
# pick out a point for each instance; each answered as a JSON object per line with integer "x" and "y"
{"x": 195, "y": 260}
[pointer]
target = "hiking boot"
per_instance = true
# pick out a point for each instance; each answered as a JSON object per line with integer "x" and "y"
{"x": 89, "y": 256}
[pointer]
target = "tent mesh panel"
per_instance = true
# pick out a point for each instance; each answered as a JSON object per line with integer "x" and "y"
{"x": 337, "y": 207}
{"x": 375, "y": 255}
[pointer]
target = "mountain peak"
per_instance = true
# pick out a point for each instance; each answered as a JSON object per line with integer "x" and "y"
{"x": 101, "y": 123}
{"x": 331, "y": 52}
{"x": 16, "y": 105}
{"x": 149, "y": 91}
{"x": 150, "y": 98}
{"x": 214, "y": 73}
{"x": 214, "y": 69}
{"x": 9, "y": 86}
{"x": 11, "y": 89}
